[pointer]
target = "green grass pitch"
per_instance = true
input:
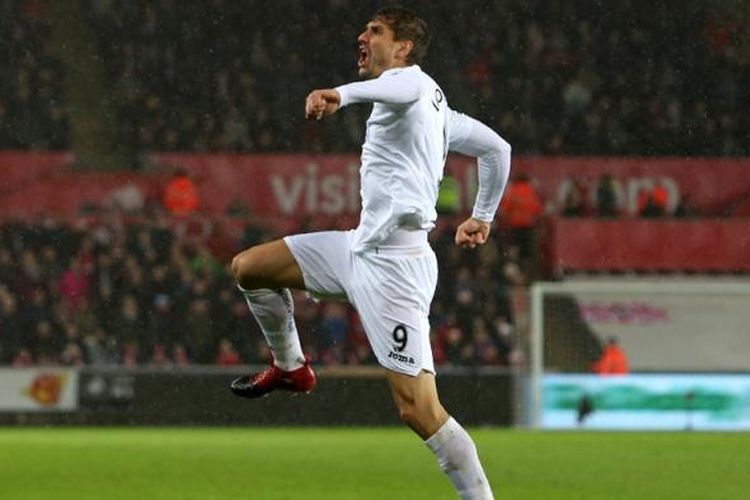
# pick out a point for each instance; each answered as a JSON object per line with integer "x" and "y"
{"x": 358, "y": 463}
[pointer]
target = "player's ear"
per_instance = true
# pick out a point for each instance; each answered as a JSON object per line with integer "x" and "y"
{"x": 404, "y": 48}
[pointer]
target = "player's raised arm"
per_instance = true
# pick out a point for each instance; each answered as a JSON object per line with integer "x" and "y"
{"x": 473, "y": 138}
{"x": 393, "y": 87}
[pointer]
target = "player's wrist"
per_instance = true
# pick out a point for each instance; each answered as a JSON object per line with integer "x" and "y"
{"x": 343, "y": 95}
{"x": 481, "y": 219}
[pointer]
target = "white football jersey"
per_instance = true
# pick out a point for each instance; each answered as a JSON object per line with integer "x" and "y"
{"x": 409, "y": 133}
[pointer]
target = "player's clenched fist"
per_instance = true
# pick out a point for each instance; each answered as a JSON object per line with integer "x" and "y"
{"x": 472, "y": 232}
{"x": 321, "y": 103}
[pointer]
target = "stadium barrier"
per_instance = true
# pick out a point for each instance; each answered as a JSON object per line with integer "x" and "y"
{"x": 646, "y": 245}
{"x": 200, "y": 396}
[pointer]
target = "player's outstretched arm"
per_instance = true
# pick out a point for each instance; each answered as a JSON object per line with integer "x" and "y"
{"x": 402, "y": 87}
{"x": 472, "y": 232}
{"x": 321, "y": 103}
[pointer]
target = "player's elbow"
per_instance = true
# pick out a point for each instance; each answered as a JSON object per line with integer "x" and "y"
{"x": 497, "y": 152}
{"x": 502, "y": 147}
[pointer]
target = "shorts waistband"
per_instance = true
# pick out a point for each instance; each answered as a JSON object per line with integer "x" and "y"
{"x": 404, "y": 242}
{"x": 405, "y": 238}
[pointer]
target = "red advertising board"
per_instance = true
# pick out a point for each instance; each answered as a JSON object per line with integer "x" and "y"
{"x": 309, "y": 185}
{"x": 327, "y": 186}
{"x": 630, "y": 244}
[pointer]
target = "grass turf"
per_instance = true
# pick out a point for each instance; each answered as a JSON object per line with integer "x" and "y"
{"x": 234, "y": 463}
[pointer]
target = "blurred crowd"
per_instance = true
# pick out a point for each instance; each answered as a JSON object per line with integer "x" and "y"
{"x": 136, "y": 292}
{"x": 553, "y": 76}
{"x": 32, "y": 105}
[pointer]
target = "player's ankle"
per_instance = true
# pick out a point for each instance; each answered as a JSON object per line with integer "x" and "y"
{"x": 289, "y": 365}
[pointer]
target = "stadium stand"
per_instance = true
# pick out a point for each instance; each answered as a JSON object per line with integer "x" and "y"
{"x": 32, "y": 108}
{"x": 553, "y": 77}
{"x": 132, "y": 290}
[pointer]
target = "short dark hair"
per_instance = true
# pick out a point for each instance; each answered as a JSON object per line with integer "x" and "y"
{"x": 406, "y": 25}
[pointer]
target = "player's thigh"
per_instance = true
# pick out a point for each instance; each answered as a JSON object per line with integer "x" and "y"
{"x": 392, "y": 296}
{"x": 325, "y": 262}
{"x": 268, "y": 265}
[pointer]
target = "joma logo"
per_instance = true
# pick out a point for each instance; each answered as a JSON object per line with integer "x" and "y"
{"x": 402, "y": 358}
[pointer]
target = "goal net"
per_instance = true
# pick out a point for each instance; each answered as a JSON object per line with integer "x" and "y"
{"x": 670, "y": 332}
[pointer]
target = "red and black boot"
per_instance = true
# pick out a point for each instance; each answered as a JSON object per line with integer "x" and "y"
{"x": 257, "y": 385}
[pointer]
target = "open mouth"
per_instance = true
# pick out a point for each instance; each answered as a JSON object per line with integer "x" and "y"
{"x": 362, "y": 57}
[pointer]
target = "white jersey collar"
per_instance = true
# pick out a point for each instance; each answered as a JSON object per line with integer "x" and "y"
{"x": 401, "y": 68}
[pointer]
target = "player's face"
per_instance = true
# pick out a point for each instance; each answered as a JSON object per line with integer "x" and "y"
{"x": 377, "y": 49}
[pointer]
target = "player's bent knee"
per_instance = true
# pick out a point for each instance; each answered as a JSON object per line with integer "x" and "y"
{"x": 235, "y": 265}
{"x": 245, "y": 269}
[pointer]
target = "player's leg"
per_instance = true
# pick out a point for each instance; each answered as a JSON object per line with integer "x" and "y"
{"x": 392, "y": 294}
{"x": 264, "y": 274}
{"x": 419, "y": 407}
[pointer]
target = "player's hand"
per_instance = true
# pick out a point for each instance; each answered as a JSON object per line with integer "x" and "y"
{"x": 321, "y": 103}
{"x": 472, "y": 232}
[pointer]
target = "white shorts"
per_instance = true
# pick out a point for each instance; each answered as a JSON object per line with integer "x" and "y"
{"x": 391, "y": 287}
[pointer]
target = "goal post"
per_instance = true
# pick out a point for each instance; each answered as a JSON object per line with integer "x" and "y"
{"x": 667, "y": 326}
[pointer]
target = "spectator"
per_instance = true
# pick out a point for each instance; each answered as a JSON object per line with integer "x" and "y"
{"x": 99, "y": 348}
{"x": 31, "y": 278}
{"x": 228, "y": 355}
{"x": 575, "y": 203}
{"x": 334, "y": 324}
{"x": 608, "y": 196}
{"x": 484, "y": 347}
{"x": 181, "y": 194}
{"x": 653, "y": 202}
{"x": 128, "y": 328}
{"x": 23, "y": 358}
{"x": 180, "y": 355}
{"x": 164, "y": 327}
{"x": 613, "y": 360}
{"x": 159, "y": 356}
{"x": 504, "y": 338}
{"x": 131, "y": 354}
{"x": 10, "y": 326}
{"x": 521, "y": 207}
{"x": 46, "y": 343}
{"x": 74, "y": 286}
{"x": 464, "y": 297}
{"x": 449, "y": 195}
{"x": 199, "y": 332}
{"x": 453, "y": 343}
{"x": 72, "y": 355}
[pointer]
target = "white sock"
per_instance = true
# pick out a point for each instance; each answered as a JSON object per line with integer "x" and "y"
{"x": 457, "y": 456}
{"x": 274, "y": 311}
